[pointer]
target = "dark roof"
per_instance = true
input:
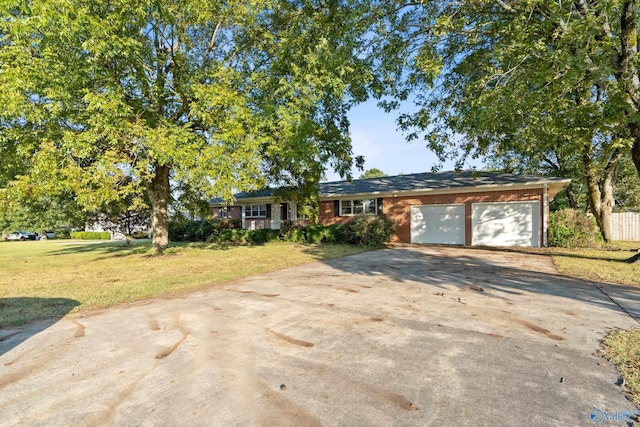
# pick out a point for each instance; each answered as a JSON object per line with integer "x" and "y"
{"x": 428, "y": 181}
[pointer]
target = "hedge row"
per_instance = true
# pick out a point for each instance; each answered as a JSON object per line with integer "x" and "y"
{"x": 91, "y": 235}
{"x": 364, "y": 230}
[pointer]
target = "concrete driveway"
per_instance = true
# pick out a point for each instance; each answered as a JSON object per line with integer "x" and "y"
{"x": 405, "y": 336}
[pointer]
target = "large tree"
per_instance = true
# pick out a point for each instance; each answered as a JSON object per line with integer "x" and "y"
{"x": 499, "y": 77}
{"x": 109, "y": 99}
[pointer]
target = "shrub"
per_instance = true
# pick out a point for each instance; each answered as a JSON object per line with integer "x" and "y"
{"x": 201, "y": 231}
{"x": 62, "y": 233}
{"x": 297, "y": 235}
{"x": 263, "y": 236}
{"x": 286, "y": 228}
{"x": 140, "y": 235}
{"x": 368, "y": 230}
{"x": 91, "y": 235}
{"x": 334, "y": 234}
{"x": 314, "y": 234}
{"x": 572, "y": 228}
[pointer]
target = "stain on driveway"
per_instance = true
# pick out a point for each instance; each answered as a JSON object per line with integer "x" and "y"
{"x": 405, "y": 336}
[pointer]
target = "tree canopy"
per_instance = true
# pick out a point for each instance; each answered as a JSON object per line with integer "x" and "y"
{"x": 110, "y": 100}
{"x": 521, "y": 80}
{"x": 373, "y": 173}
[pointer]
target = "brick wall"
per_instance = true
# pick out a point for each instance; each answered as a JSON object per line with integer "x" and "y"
{"x": 399, "y": 208}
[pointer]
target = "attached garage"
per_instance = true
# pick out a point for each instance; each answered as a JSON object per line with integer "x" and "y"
{"x": 505, "y": 224}
{"x": 455, "y": 207}
{"x": 443, "y": 224}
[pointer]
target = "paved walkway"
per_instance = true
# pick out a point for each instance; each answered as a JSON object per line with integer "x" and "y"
{"x": 406, "y": 336}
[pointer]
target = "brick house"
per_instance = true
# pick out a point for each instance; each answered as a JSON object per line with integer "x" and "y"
{"x": 460, "y": 208}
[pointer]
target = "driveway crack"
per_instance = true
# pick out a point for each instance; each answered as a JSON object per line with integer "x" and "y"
{"x": 615, "y": 302}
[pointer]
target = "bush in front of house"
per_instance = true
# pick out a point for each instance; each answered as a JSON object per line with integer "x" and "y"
{"x": 263, "y": 236}
{"x": 573, "y": 228}
{"x": 90, "y": 235}
{"x": 201, "y": 231}
{"x": 364, "y": 230}
{"x": 368, "y": 230}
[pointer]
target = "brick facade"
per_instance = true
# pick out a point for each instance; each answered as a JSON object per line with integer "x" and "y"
{"x": 399, "y": 208}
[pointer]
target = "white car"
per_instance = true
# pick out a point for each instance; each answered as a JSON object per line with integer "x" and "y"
{"x": 21, "y": 235}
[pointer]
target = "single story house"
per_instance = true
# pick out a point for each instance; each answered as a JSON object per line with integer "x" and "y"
{"x": 461, "y": 208}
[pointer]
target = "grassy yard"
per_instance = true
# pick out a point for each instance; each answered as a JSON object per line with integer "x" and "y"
{"x": 622, "y": 348}
{"x": 45, "y": 279}
{"x": 600, "y": 264}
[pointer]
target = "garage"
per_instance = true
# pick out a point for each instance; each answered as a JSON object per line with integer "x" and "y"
{"x": 505, "y": 224}
{"x": 443, "y": 224}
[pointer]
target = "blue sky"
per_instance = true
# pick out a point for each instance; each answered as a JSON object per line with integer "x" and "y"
{"x": 375, "y": 136}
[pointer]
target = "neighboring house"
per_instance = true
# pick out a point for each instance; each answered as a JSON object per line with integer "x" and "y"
{"x": 126, "y": 226}
{"x": 463, "y": 208}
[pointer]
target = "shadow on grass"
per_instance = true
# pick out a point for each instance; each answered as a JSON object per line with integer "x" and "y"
{"x": 34, "y": 314}
{"x": 108, "y": 247}
{"x": 120, "y": 249}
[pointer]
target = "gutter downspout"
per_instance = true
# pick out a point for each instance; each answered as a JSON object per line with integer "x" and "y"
{"x": 545, "y": 217}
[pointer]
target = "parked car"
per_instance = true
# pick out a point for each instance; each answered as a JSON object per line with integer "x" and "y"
{"x": 21, "y": 235}
{"x": 46, "y": 235}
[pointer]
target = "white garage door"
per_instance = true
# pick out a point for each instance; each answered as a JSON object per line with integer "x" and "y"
{"x": 505, "y": 224}
{"x": 442, "y": 224}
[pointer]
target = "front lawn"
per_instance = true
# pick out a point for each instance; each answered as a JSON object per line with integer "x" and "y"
{"x": 622, "y": 348}
{"x": 43, "y": 279}
{"x": 605, "y": 264}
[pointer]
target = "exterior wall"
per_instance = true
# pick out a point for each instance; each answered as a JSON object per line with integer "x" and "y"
{"x": 326, "y": 216}
{"x": 399, "y": 208}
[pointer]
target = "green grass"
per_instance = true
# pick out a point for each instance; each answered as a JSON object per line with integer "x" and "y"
{"x": 600, "y": 264}
{"x": 622, "y": 348}
{"x": 45, "y": 279}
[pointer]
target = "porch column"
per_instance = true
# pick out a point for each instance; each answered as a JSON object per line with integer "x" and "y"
{"x": 275, "y": 216}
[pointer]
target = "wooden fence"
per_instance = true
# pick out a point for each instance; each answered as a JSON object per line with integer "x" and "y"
{"x": 625, "y": 226}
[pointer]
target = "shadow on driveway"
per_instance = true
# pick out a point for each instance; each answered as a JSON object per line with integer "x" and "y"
{"x": 467, "y": 268}
{"x": 14, "y": 310}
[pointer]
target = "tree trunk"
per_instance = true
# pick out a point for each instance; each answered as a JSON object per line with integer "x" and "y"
{"x": 635, "y": 149}
{"x": 158, "y": 191}
{"x": 600, "y": 191}
{"x": 571, "y": 197}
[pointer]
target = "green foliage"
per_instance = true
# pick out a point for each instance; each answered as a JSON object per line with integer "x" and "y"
{"x": 373, "y": 173}
{"x": 365, "y": 230}
{"x": 532, "y": 85}
{"x": 139, "y": 235}
{"x": 90, "y": 235}
{"x": 572, "y": 228}
{"x": 121, "y": 99}
{"x": 368, "y": 230}
{"x": 298, "y": 235}
{"x": 201, "y": 231}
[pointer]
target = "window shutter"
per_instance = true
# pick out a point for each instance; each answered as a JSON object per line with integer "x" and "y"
{"x": 336, "y": 208}
{"x": 269, "y": 210}
{"x": 379, "y": 205}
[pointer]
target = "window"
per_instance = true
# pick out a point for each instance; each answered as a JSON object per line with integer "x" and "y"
{"x": 358, "y": 207}
{"x": 256, "y": 211}
{"x": 224, "y": 212}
